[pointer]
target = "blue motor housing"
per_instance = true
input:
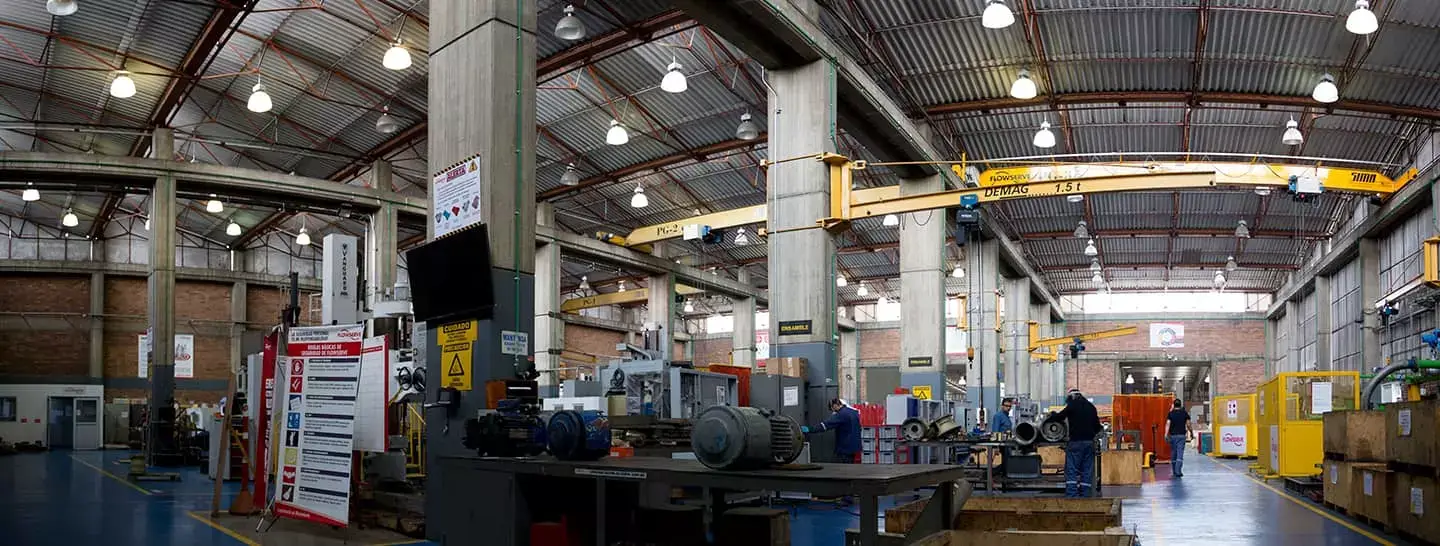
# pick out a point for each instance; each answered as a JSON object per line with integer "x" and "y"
{"x": 579, "y": 435}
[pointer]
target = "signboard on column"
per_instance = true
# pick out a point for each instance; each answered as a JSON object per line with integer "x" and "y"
{"x": 762, "y": 344}
{"x": 184, "y": 356}
{"x": 263, "y": 409}
{"x": 455, "y": 195}
{"x": 313, "y": 479}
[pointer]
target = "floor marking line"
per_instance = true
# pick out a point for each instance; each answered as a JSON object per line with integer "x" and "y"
{"x": 107, "y": 474}
{"x": 202, "y": 518}
{"x": 1308, "y": 506}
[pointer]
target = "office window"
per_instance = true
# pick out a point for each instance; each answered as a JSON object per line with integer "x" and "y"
{"x": 7, "y": 408}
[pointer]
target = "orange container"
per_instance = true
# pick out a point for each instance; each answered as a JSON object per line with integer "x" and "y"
{"x": 1145, "y": 413}
{"x": 742, "y": 378}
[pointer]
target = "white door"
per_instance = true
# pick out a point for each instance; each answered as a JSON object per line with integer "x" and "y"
{"x": 87, "y": 423}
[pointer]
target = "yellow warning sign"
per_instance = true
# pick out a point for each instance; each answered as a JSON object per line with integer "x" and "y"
{"x": 292, "y": 455}
{"x": 456, "y": 363}
{"x": 920, "y": 391}
{"x": 459, "y": 332}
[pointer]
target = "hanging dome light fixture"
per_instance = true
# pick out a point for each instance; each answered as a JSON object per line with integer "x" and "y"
{"x": 1044, "y": 138}
{"x": 122, "y": 87}
{"x": 674, "y": 80}
{"x": 571, "y": 177}
{"x": 30, "y": 194}
{"x": 259, "y": 99}
{"x": 747, "y": 130}
{"x": 1090, "y": 249}
{"x": 617, "y": 135}
{"x": 61, "y": 8}
{"x": 386, "y": 124}
{"x": 997, "y": 15}
{"x": 840, "y": 281}
{"x": 214, "y": 206}
{"x": 233, "y": 229}
{"x": 639, "y": 200}
{"x": 1023, "y": 88}
{"x": 70, "y": 220}
{"x": 1362, "y": 21}
{"x": 302, "y": 238}
{"x": 570, "y": 27}
{"x": 1325, "y": 91}
{"x": 890, "y": 220}
{"x": 397, "y": 57}
{"x": 1292, "y": 136}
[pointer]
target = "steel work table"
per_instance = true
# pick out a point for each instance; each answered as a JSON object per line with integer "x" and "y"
{"x": 865, "y": 482}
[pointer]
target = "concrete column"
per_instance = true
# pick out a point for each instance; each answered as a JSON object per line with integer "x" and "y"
{"x": 1017, "y": 337}
{"x": 97, "y": 325}
{"x": 848, "y": 350}
{"x": 1292, "y": 360}
{"x": 161, "y": 300}
{"x": 1270, "y": 340}
{"x": 982, "y": 260}
{"x": 1322, "y": 324}
{"x": 922, "y": 292}
{"x": 482, "y": 93}
{"x": 238, "y": 314}
{"x": 382, "y": 245}
{"x": 1370, "y": 349}
{"x": 661, "y": 306}
{"x": 549, "y": 326}
{"x": 742, "y": 340}
{"x": 802, "y": 121}
{"x": 1041, "y": 378}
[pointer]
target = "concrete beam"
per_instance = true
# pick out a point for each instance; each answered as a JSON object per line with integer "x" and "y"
{"x": 63, "y": 267}
{"x": 68, "y": 170}
{"x": 590, "y": 248}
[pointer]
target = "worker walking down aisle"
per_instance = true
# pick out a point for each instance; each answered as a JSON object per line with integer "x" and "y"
{"x": 1177, "y": 435}
{"x": 845, "y": 421}
{"x": 1084, "y": 424}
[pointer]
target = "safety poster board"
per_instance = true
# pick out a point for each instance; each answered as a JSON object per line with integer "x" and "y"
{"x": 455, "y": 193}
{"x": 323, "y": 365}
{"x": 372, "y": 395}
{"x": 184, "y": 356}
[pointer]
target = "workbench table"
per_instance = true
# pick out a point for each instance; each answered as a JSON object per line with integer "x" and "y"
{"x": 865, "y": 482}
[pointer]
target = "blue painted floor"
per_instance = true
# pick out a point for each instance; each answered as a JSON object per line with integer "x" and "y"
{"x": 64, "y": 498}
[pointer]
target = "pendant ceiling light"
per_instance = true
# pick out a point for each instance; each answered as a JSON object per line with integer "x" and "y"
{"x": 214, "y": 206}
{"x": 1098, "y": 279}
{"x": 570, "y": 27}
{"x": 1242, "y": 229}
{"x": 397, "y": 57}
{"x": 259, "y": 99}
{"x": 584, "y": 283}
{"x": 61, "y": 8}
{"x": 997, "y": 15}
{"x": 1219, "y": 278}
{"x": 1082, "y": 230}
{"x": 386, "y": 124}
{"x": 571, "y": 177}
{"x": 617, "y": 135}
{"x": 674, "y": 80}
{"x": 622, "y": 285}
{"x": 1325, "y": 91}
{"x": 1094, "y": 266}
{"x": 958, "y": 272}
{"x": 639, "y": 200}
{"x": 747, "y": 130}
{"x": 890, "y": 220}
{"x": 1362, "y": 21}
{"x": 233, "y": 229}
{"x": 147, "y": 224}
{"x": 70, "y": 220}
{"x": 882, "y": 301}
{"x": 689, "y": 307}
{"x": 122, "y": 87}
{"x": 1129, "y": 379}
{"x": 1044, "y": 138}
{"x": 302, "y": 238}
{"x": 1292, "y": 136}
{"x": 1090, "y": 249}
{"x": 862, "y": 291}
{"x": 1230, "y": 264}
{"x": 1024, "y": 87}
{"x": 741, "y": 239}
{"x": 840, "y": 281}
{"x": 30, "y": 194}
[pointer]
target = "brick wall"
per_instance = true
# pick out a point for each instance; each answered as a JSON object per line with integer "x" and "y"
{"x": 202, "y": 301}
{"x": 45, "y": 294}
{"x": 596, "y": 342}
{"x": 45, "y": 353}
{"x": 1238, "y": 376}
{"x": 1204, "y": 339}
{"x": 879, "y": 346}
{"x": 713, "y": 351}
{"x": 127, "y": 296}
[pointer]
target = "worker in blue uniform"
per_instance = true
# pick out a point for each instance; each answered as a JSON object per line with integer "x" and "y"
{"x": 845, "y": 421}
{"x": 1179, "y": 432}
{"x": 1001, "y": 422}
{"x": 1084, "y": 424}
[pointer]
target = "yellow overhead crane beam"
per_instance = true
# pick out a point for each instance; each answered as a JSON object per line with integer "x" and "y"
{"x": 617, "y": 298}
{"x": 1036, "y": 343}
{"x": 1032, "y": 181}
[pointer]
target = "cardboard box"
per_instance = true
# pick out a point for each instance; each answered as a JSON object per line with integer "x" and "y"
{"x": 1357, "y": 436}
{"x": 788, "y": 366}
{"x": 1337, "y": 476}
{"x": 1413, "y": 432}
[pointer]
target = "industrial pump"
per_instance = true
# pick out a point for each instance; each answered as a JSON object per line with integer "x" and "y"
{"x": 739, "y": 438}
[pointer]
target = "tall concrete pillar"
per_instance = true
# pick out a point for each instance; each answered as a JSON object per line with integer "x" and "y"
{"x": 382, "y": 241}
{"x": 1270, "y": 332}
{"x": 161, "y": 300}
{"x": 661, "y": 306}
{"x": 97, "y": 325}
{"x": 1322, "y": 324}
{"x": 238, "y": 312}
{"x": 1016, "y": 330}
{"x": 742, "y": 340}
{"x": 482, "y": 96}
{"x": 1292, "y": 357}
{"x": 982, "y": 261}
{"x": 802, "y": 114}
{"x": 1041, "y": 377}
{"x": 549, "y": 326}
{"x": 922, "y": 292}
{"x": 1370, "y": 350}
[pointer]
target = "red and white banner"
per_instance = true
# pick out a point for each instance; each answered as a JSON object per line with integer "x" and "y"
{"x": 317, "y": 438}
{"x": 263, "y": 409}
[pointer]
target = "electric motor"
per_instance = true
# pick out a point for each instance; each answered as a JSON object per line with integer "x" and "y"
{"x": 578, "y": 435}
{"x": 731, "y": 438}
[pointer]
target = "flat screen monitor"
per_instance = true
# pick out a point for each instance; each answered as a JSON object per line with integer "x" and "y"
{"x": 450, "y": 277}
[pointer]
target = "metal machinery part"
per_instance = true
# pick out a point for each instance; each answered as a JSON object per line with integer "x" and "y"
{"x": 736, "y": 438}
{"x": 514, "y": 429}
{"x": 666, "y": 390}
{"x": 1026, "y": 433}
{"x": 944, "y": 426}
{"x": 1054, "y": 430}
{"x": 578, "y": 435}
{"x": 913, "y": 429}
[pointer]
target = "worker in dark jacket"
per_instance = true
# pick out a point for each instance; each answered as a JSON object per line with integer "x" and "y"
{"x": 845, "y": 421}
{"x": 1084, "y": 425}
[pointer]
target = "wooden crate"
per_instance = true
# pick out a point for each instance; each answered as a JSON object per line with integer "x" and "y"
{"x": 1121, "y": 467}
{"x": 753, "y": 527}
{"x": 1109, "y": 537}
{"x": 1420, "y": 445}
{"x": 1337, "y": 477}
{"x": 1052, "y": 459}
{"x": 1357, "y": 435}
{"x": 1415, "y": 510}
{"x": 1025, "y": 513}
{"x": 1370, "y": 488}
